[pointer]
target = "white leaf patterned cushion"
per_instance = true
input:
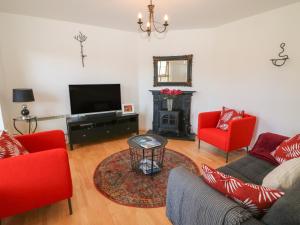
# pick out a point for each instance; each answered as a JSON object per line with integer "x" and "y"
{"x": 255, "y": 198}
{"x": 10, "y": 147}
{"x": 228, "y": 115}
{"x": 288, "y": 149}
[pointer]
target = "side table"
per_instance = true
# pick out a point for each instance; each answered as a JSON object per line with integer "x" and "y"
{"x": 154, "y": 155}
{"x": 27, "y": 119}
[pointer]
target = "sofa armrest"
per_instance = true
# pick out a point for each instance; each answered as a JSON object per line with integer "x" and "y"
{"x": 192, "y": 201}
{"x": 241, "y": 132}
{"x": 43, "y": 140}
{"x": 208, "y": 119}
{"x": 34, "y": 180}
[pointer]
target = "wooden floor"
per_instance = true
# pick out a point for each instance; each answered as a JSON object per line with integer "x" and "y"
{"x": 92, "y": 208}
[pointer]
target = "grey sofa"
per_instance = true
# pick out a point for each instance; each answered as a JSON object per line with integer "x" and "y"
{"x": 190, "y": 201}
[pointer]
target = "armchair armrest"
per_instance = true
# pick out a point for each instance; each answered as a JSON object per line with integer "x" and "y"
{"x": 43, "y": 140}
{"x": 208, "y": 119}
{"x": 241, "y": 132}
{"x": 34, "y": 180}
{"x": 192, "y": 201}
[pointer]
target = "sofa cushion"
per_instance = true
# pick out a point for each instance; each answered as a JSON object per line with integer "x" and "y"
{"x": 249, "y": 168}
{"x": 288, "y": 149}
{"x": 284, "y": 176}
{"x": 266, "y": 143}
{"x": 9, "y": 146}
{"x": 214, "y": 136}
{"x": 286, "y": 210}
{"x": 257, "y": 199}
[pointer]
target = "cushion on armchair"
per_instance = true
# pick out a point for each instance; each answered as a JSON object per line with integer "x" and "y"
{"x": 9, "y": 146}
{"x": 228, "y": 115}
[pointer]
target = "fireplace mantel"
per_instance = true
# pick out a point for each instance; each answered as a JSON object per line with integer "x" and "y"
{"x": 182, "y": 104}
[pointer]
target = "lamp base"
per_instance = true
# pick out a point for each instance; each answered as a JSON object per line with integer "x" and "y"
{"x": 24, "y": 111}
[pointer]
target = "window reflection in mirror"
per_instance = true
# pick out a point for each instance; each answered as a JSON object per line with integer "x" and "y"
{"x": 173, "y": 70}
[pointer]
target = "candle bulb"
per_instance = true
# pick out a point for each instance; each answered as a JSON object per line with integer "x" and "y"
{"x": 148, "y": 24}
{"x": 166, "y": 18}
{"x": 140, "y": 16}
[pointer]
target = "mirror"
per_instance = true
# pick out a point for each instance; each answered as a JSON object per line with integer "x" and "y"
{"x": 173, "y": 70}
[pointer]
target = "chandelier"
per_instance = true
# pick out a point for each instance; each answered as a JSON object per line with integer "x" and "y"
{"x": 152, "y": 25}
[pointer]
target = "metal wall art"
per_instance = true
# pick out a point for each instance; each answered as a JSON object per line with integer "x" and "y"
{"x": 81, "y": 38}
{"x": 282, "y": 58}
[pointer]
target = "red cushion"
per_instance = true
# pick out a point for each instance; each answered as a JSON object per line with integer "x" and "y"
{"x": 256, "y": 199}
{"x": 214, "y": 136}
{"x": 228, "y": 115}
{"x": 288, "y": 149}
{"x": 265, "y": 144}
{"x": 10, "y": 147}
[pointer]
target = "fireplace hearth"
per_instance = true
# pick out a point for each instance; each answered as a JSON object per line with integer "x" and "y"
{"x": 174, "y": 124}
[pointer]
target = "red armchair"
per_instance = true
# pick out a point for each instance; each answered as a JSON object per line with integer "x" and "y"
{"x": 36, "y": 179}
{"x": 238, "y": 136}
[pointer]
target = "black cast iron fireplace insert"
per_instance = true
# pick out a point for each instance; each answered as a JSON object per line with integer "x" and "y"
{"x": 182, "y": 105}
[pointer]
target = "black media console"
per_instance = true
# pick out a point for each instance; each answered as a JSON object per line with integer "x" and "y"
{"x": 86, "y": 128}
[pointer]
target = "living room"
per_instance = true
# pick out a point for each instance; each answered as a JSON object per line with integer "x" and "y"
{"x": 236, "y": 54}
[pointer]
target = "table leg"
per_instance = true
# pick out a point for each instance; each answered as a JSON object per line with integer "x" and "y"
{"x": 152, "y": 158}
{"x": 17, "y": 128}
{"x": 36, "y": 124}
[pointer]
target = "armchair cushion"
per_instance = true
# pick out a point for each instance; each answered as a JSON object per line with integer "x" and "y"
{"x": 228, "y": 115}
{"x": 10, "y": 147}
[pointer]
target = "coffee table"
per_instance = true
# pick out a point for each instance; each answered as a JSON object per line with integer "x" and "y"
{"x": 153, "y": 157}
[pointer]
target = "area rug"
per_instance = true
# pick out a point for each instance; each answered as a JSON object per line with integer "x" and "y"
{"x": 114, "y": 178}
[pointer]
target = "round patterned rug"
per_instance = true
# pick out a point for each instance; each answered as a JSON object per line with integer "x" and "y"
{"x": 114, "y": 178}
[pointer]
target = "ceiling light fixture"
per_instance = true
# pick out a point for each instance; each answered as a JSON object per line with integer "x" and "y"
{"x": 151, "y": 25}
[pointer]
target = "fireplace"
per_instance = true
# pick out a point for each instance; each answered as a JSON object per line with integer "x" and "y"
{"x": 169, "y": 122}
{"x": 173, "y": 124}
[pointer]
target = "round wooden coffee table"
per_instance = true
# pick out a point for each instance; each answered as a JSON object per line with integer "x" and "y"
{"x": 148, "y": 160}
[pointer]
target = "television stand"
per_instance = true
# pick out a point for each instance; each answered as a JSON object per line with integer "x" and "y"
{"x": 94, "y": 127}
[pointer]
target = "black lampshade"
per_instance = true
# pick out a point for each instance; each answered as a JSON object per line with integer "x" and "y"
{"x": 23, "y": 95}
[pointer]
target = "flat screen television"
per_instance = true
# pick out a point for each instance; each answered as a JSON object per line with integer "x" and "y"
{"x": 93, "y": 98}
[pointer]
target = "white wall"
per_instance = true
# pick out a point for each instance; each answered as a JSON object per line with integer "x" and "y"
{"x": 2, "y": 93}
{"x": 232, "y": 67}
{"x": 1, "y": 120}
{"x": 42, "y": 54}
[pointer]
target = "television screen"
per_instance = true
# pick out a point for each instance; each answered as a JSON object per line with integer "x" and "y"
{"x": 91, "y": 98}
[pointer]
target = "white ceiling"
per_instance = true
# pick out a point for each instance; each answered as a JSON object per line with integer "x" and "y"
{"x": 122, "y": 14}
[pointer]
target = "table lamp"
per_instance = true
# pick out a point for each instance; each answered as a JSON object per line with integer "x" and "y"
{"x": 23, "y": 95}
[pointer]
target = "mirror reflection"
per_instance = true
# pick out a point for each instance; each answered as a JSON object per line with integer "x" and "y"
{"x": 173, "y": 70}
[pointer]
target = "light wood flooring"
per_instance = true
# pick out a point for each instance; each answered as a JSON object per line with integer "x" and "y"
{"x": 92, "y": 208}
